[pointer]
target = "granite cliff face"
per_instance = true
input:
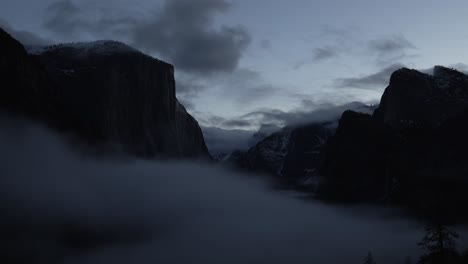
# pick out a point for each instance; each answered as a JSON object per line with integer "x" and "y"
{"x": 291, "y": 155}
{"x": 410, "y": 151}
{"x": 417, "y": 99}
{"x": 294, "y": 154}
{"x": 105, "y": 92}
{"x": 356, "y": 153}
{"x": 26, "y": 87}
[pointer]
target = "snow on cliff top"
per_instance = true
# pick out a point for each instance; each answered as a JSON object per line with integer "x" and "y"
{"x": 100, "y": 47}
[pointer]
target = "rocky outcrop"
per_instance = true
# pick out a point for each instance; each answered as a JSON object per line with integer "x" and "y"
{"x": 412, "y": 151}
{"x": 417, "y": 99}
{"x": 355, "y": 160}
{"x": 295, "y": 153}
{"x": 292, "y": 155}
{"x": 268, "y": 155}
{"x": 26, "y": 87}
{"x": 104, "y": 92}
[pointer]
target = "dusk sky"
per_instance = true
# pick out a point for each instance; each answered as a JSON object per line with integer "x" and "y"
{"x": 240, "y": 63}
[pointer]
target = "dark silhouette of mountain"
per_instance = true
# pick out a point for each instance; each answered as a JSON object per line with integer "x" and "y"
{"x": 359, "y": 146}
{"x": 411, "y": 151}
{"x": 293, "y": 154}
{"x": 415, "y": 98}
{"x": 104, "y": 92}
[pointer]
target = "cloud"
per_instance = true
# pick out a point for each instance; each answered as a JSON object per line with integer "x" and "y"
{"x": 390, "y": 49}
{"x": 212, "y": 120}
{"x": 462, "y": 67}
{"x": 378, "y": 80}
{"x": 324, "y": 53}
{"x": 392, "y": 44}
{"x": 226, "y": 135}
{"x": 303, "y": 115}
{"x": 225, "y": 141}
{"x": 333, "y": 42}
{"x": 247, "y": 86}
{"x": 242, "y": 86}
{"x": 265, "y": 44}
{"x": 58, "y": 205}
{"x": 64, "y": 18}
{"x": 237, "y": 123}
{"x": 340, "y": 35}
{"x": 191, "y": 43}
{"x": 25, "y": 37}
{"x": 182, "y": 31}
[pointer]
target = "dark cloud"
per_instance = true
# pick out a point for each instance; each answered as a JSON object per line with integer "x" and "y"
{"x": 212, "y": 120}
{"x": 182, "y": 31}
{"x": 187, "y": 103}
{"x": 324, "y": 53}
{"x": 391, "y": 49}
{"x": 64, "y": 18}
{"x": 378, "y": 80}
{"x": 237, "y": 124}
{"x": 189, "y": 87}
{"x": 25, "y": 37}
{"x": 391, "y": 44}
{"x": 72, "y": 21}
{"x": 324, "y": 113}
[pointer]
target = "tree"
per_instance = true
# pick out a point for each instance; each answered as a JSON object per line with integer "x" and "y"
{"x": 369, "y": 259}
{"x": 439, "y": 245}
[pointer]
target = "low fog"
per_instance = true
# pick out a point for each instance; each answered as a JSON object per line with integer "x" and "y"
{"x": 60, "y": 207}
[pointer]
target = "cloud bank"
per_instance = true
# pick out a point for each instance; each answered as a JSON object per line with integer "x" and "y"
{"x": 183, "y": 31}
{"x": 59, "y": 207}
{"x": 375, "y": 81}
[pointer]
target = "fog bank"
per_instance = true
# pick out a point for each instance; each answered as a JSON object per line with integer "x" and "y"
{"x": 59, "y": 207}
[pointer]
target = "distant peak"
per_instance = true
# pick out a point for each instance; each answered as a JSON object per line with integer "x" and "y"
{"x": 100, "y": 47}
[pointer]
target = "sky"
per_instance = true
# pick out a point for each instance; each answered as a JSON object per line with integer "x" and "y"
{"x": 243, "y": 63}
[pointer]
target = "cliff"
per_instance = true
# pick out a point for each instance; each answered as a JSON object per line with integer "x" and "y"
{"x": 104, "y": 92}
{"x": 417, "y": 99}
{"x": 411, "y": 151}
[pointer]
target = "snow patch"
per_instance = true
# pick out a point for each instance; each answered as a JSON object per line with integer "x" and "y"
{"x": 100, "y": 47}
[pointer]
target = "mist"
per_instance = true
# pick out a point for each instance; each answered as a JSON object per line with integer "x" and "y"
{"x": 59, "y": 206}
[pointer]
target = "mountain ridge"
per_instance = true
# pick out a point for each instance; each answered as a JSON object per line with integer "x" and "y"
{"x": 103, "y": 92}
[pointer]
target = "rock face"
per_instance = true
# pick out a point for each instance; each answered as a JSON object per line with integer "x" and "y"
{"x": 26, "y": 87}
{"x": 295, "y": 153}
{"x": 268, "y": 155}
{"x": 292, "y": 154}
{"x": 356, "y": 153}
{"x": 411, "y": 150}
{"x": 418, "y": 99}
{"x": 105, "y": 92}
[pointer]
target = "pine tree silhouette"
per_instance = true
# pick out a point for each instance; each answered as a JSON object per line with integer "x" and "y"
{"x": 369, "y": 259}
{"x": 439, "y": 245}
